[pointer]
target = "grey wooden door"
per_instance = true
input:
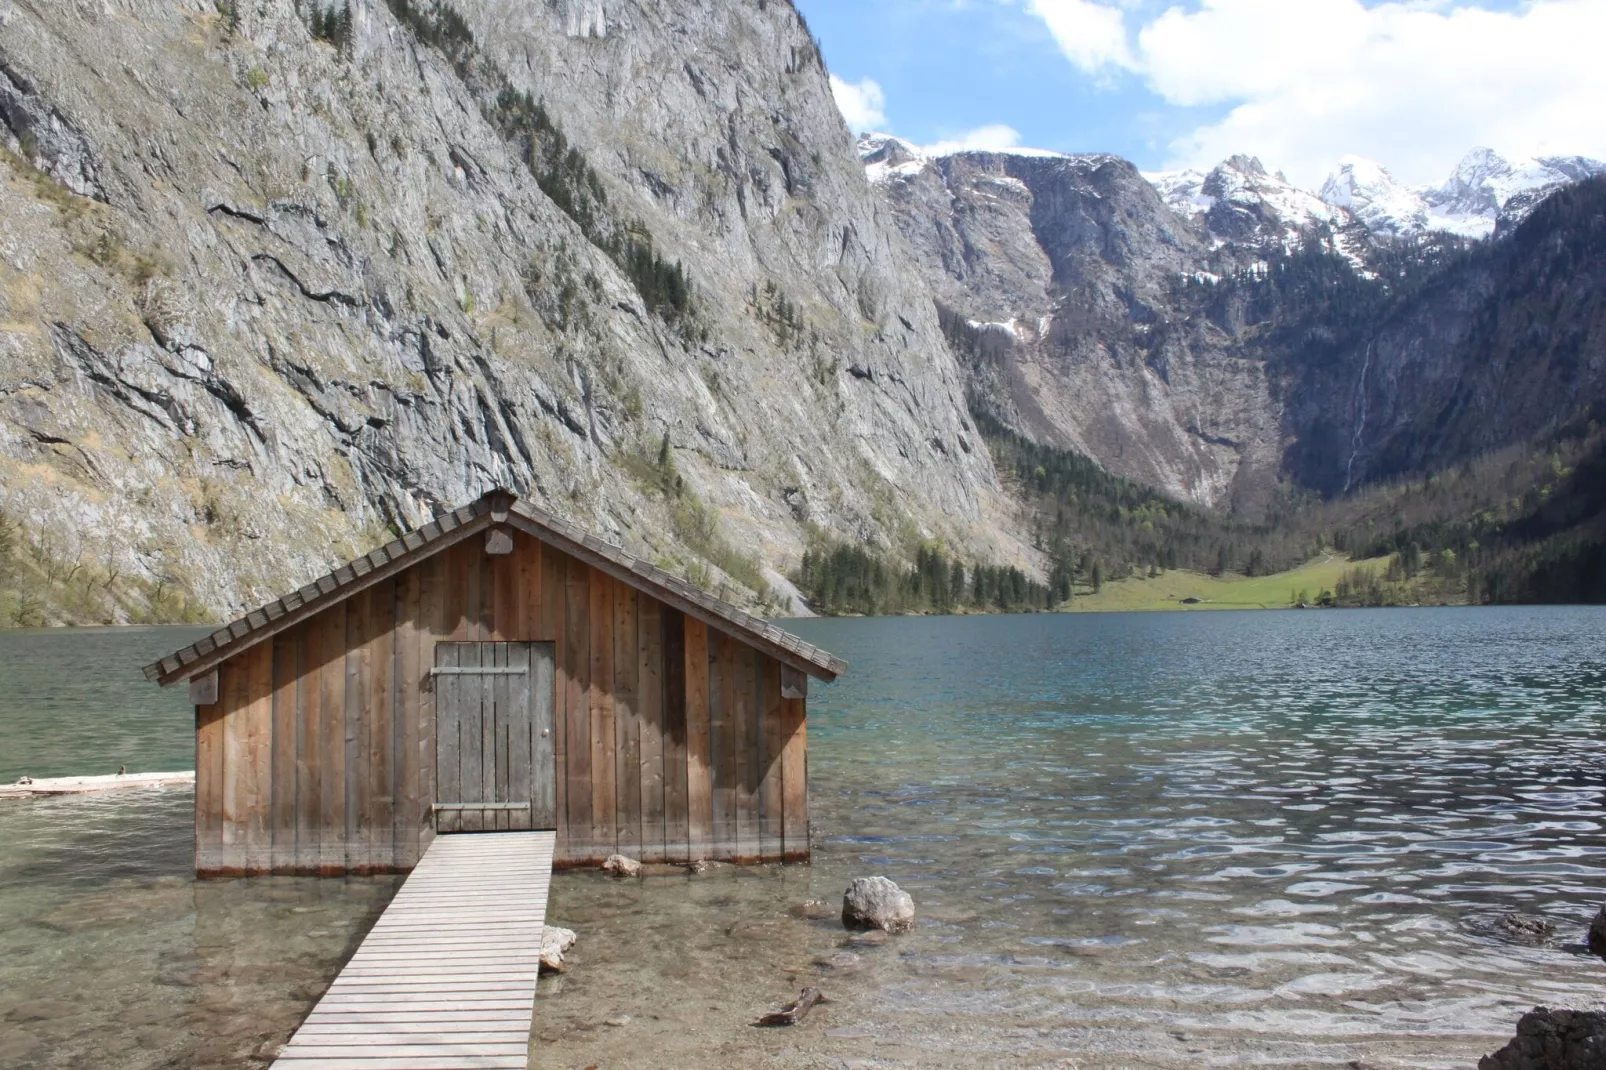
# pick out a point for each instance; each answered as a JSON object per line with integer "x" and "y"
{"x": 493, "y": 737}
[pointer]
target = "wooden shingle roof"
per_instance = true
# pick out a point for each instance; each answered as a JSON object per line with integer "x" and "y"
{"x": 495, "y": 507}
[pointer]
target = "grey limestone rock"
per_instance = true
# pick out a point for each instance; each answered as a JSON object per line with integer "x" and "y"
{"x": 620, "y": 866}
{"x": 1526, "y": 927}
{"x": 555, "y": 940}
{"x": 1597, "y": 933}
{"x": 877, "y": 903}
{"x": 1553, "y": 1040}
{"x": 263, "y": 299}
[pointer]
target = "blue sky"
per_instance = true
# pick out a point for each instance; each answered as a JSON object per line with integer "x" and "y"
{"x": 1412, "y": 84}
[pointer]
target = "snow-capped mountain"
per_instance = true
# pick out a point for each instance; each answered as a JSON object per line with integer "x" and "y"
{"x": 1240, "y": 201}
{"x": 1485, "y": 190}
{"x": 1370, "y": 194}
{"x": 885, "y": 155}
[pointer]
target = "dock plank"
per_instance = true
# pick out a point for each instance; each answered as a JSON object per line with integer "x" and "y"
{"x": 445, "y": 980}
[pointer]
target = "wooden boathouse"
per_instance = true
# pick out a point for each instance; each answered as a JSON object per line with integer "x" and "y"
{"x": 496, "y": 669}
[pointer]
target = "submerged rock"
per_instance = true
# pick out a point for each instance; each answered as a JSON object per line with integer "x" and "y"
{"x": 620, "y": 866}
{"x": 1526, "y": 927}
{"x": 1597, "y": 934}
{"x": 812, "y": 909}
{"x": 877, "y": 903}
{"x": 1553, "y": 1040}
{"x": 555, "y": 940}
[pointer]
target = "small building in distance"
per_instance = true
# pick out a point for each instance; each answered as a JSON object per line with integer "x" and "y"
{"x": 496, "y": 669}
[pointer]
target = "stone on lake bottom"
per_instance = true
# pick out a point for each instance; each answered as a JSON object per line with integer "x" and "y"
{"x": 812, "y": 909}
{"x": 1553, "y": 1040}
{"x": 877, "y": 903}
{"x": 555, "y": 940}
{"x": 1526, "y": 927}
{"x": 620, "y": 866}
{"x": 1597, "y": 934}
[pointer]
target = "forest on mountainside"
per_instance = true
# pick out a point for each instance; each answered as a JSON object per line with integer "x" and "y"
{"x": 1522, "y": 522}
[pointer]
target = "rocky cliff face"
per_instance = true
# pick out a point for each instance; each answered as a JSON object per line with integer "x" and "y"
{"x": 265, "y": 295}
{"x": 1215, "y": 335}
{"x": 1066, "y": 269}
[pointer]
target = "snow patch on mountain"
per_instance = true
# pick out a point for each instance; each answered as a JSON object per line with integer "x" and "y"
{"x": 1368, "y": 192}
{"x": 1240, "y": 202}
{"x": 887, "y": 156}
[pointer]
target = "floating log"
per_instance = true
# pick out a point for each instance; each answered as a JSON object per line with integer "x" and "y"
{"x": 28, "y": 787}
{"x": 796, "y": 1011}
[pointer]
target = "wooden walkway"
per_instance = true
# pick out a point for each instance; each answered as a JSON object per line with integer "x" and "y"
{"x": 446, "y": 979}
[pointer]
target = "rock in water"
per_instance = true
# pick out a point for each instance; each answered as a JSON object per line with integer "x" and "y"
{"x": 877, "y": 903}
{"x": 620, "y": 866}
{"x": 555, "y": 940}
{"x": 1597, "y": 934}
{"x": 1526, "y": 927}
{"x": 1553, "y": 1040}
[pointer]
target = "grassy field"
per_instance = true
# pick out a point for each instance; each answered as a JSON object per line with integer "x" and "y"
{"x": 1231, "y": 591}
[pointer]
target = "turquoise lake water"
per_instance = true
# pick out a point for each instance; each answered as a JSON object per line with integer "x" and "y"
{"x": 1147, "y": 839}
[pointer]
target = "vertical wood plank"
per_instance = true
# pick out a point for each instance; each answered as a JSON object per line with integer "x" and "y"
{"x": 749, "y": 715}
{"x": 487, "y": 588}
{"x": 505, "y": 620}
{"x": 356, "y": 752}
{"x": 257, "y": 797}
{"x": 283, "y": 778}
{"x": 699, "y": 759}
{"x": 521, "y": 735}
{"x": 677, "y": 830}
{"x": 498, "y": 738}
{"x": 234, "y": 694}
{"x": 380, "y": 715}
{"x": 577, "y": 707}
{"x": 604, "y": 823}
{"x": 405, "y": 707}
{"x": 449, "y": 733}
{"x": 721, "y": 739}
{"x": 626, "y": 714}
{"x": 468, "y": 699}
{"x": 455, "y": 596}
{"x": 432, "y": 626}
{"x": 544, "y": 811}
{"x": 332, "y": 726}
{"x": 650, "y": 721}
{"x": 528, "y": 553}
{"x": 309, "y": 754}
{"x": 795, "y": 781}
{"x": 772, "y": 802}
{"x": 209, "y": 744}
{"x": 554, "y": 603}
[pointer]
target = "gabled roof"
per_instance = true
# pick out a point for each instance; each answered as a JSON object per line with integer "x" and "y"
{"x": 495, "y": 507}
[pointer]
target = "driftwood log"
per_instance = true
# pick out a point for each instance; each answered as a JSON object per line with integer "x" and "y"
{"x": 28, "y": 787}
{"x": 796, "y": 1011}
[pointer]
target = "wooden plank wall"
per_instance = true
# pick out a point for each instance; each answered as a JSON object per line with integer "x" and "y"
{"x": 672, "y": 740}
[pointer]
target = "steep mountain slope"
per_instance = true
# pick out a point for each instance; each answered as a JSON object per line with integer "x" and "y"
{"x": 1225, "y": 339}
{"x": 265, "y": 295}
{"x": 1500, "y": 342}
{"x": 1064, "y": 269}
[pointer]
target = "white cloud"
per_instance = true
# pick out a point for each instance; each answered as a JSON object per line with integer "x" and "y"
{"x": 862, "y": 104}
{"x": 1092, "y": 35}
{"x": 1412, "y": 84}
{"x": 993, "y": 138}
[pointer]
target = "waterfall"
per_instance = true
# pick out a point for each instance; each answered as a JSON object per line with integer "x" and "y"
{"x": 1360, "y": 418}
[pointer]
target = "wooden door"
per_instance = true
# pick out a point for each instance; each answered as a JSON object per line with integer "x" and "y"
{"x": 493, "y": 746}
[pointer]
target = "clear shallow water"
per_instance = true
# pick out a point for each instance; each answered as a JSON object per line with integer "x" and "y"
{"x": 1159, "y": 840}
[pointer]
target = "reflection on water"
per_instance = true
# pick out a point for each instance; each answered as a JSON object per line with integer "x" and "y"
{"x": 1160, "y": 840}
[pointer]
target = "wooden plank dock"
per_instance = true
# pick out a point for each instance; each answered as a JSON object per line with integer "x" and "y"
{"x": 446, "y": 978}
